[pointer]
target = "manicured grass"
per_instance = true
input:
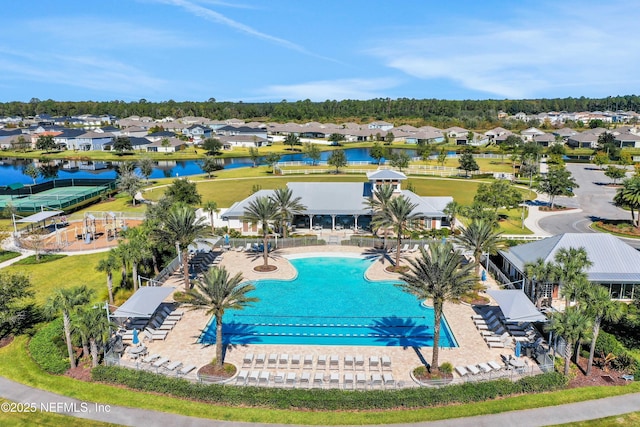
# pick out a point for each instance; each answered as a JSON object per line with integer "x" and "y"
{"x": 44, "y": 258}
{"x": 18, "y": 366}
{"x": 632, "y": 419}
{"x": 7, "y": 255}
{"x": 64, "y": 273}
{"x": 10, "y": 419}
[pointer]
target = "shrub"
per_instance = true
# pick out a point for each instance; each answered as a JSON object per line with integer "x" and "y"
{"x": 446, "y": 368}
{"x": 330, "y": 399}
{"x": 607, "y": 343}
{"x": 420, "y": 371}
{"x": 48, "y": 349}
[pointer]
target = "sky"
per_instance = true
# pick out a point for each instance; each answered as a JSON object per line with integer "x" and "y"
{"x": 275, "y": 50}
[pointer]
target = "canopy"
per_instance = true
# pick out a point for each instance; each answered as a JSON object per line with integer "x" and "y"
{"x": 144, "y": 302}
{"x": 516, "y": 306}
{"x": 40, "y": 216}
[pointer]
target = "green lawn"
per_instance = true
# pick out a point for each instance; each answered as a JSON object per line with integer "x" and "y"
{"x": 18, "y": 366}
{"x": 65, "y": 273}
{"x": 7, "y": 255}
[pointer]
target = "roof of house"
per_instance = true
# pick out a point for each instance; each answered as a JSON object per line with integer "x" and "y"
{"x": 385, "y": 174}
{"x": 613, "y": 260}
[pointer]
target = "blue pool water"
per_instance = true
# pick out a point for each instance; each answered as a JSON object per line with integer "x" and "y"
{"x": 330, "y": 303}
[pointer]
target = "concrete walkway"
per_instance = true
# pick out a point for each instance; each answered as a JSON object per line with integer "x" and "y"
{"x": 573, "y": 412}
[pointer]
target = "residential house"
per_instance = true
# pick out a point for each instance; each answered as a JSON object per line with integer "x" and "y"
{"x": 230, "y": 141}
{"x": 529, "y": 134}
{"x": 375, "y": 126}
{"x": 197, "y": 132}
{"x": 583, "y": 140}
{"x": 170, "y": 146}
{"x": 544, "y": 140}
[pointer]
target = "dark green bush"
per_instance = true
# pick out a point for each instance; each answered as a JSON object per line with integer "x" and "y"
{"x": 607, "y": 343}
{"x": 48, "y": 349}
{"x": 319, "y": 399}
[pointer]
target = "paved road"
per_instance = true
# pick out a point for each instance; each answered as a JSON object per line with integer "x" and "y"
{"x": 595, "y": 200}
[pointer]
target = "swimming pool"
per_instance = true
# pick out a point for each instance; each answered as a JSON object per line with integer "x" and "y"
{"x": 331, "y": 303}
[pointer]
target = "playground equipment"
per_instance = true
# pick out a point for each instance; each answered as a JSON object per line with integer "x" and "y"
{"x": 112, "y": 224}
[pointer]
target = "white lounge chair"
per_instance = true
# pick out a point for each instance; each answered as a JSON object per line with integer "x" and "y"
{"x": 295, "y": 361}
{"x": 462, "y": 371}
{"x": 247, "y": 360}
{"x": 473, "y": 369}
{"x": 405, "y": 248}
{"x": 278, "y": 378}
{"x": 291, "y": 379}
{"x": 361, "y": 380}
{"x": 173, "y": 366}
{"x": 374, "y": 362}
{"x": 158, "y": 363}
{"x": 415, "y": 248}
{"x": 263, "y": 379}
{"x": 348, "y": 380}
{"x": 334, "y": 362}
{"x": 186, "y": 369}
{"x": 305, "y": 378}
{"x": 376, "y": 380}
{"x": 494, "y": 365}
{"x": 272, "y": 360}
{"x": 334, "y": 379}
{"x": 283, "y": 361}
{"x": 322, "y": 362}
{"x": 359, "y": 363}
{"x": 253, "y": 377}
{"x": 241, "y": 378}
{"x": 496, "y": 344}
{"x": 385, "y": 361}
{"x": 151, "y": 358}
{"x": 318, "y": 379}
{"x": 388, "y": 380}
{"x": 308, "y": 361}
{"x": 260, "y": 358}
{"x": 348, "y": 362}
{"x": 484, "y": 367}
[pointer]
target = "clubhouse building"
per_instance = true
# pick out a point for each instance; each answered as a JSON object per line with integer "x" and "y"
{"x": 342, "y": 205}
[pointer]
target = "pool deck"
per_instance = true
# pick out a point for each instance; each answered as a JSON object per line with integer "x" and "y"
{"x": 181, "y": 343}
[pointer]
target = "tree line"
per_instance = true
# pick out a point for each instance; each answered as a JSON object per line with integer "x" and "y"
{"x": 437, "y": 112}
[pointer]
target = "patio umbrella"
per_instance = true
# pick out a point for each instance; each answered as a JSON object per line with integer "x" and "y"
{"x": 135, "y": 340}
{"x": 484, "y": 275}
{"x": 226, "y": 240}
{"x": 518, "y": 349}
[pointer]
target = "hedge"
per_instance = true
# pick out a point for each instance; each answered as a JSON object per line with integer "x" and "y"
{"x": 329, "y": 399}
{"x": 45, "y": 348}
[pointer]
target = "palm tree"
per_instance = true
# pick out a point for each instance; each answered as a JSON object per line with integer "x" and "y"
{"x": 571, "y": 263}
{"x": 571, "y": 325}
{"x": 107, "y": 265}
{"x": 600, "y": 307}
{"x": 629, "y": 196}
{"x": 540, "y": 273}
{"x": 452, "y": 211}
{"x": 182, "y": 228}
{"x": 398, "y": 213}
{"x": 287, "y": 206}
{"x": 263, "y": 210}
{"x": 211, "y": 207}
{"x": 94, "y": 328}
{"x": 438, "y": 274}
{"x": 479, "y": 237}
{"x": 217, "y": 292}
{"x": 378, "y": 203}
{"x": 66, "y": 301}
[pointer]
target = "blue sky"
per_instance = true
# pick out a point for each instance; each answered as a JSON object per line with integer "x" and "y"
{"x": 271, "y": 50}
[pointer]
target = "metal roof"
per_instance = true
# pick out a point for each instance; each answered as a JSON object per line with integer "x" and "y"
{"x": 144, "y": 302}
{"x": 613, "y": 260}
{"x": 385, "y": 174}
{"x": 516, "y": 306}
{"x": 40, "y": 216}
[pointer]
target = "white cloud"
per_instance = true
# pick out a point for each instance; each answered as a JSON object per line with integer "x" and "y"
{"x": 330, "y": 89}
{"x": 560, "y": 52}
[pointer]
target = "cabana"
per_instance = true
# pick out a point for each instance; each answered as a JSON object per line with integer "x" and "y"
{"x": 144, "y": 302}
{"x": 516, "y": 306}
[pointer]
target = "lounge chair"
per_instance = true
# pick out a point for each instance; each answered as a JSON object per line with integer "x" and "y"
{"x": 151, "y": 358}
{"x": 405, "y": 248}
{"x": 359, "y": 363}
{"x": 496, "y": 344}
{"x": 240, "y": 249}
{"x": 241, "y": 378}
{"x": 322, "y": 362}
{"x": 272, "y": 360}
{"x": 385, "y": 361}
{"x": 283, "y": 361}
{"x": 374, "y": 362}
{"x": 248, "y": 247}
{"x": 318, "y": 379}
{"x": 484, "y": 367}
{"x": 388, "y": 380}
{"x": 305, "y": 378}
{"x": 264, "y": 378}
{"x": 295, "y": 361}
{"x": 361, "y": 380}
{"x": 414, "y": 248}
{"x": 158, "y": 363}
{"x": 253, "y": 377}
{"x": 173, "y": 366}
{"x": 473, "y": 369}
{"x": 494, "y": 365}
{"x": 156, "y": 335}
{"x": 462, "y": 371}
{"x": 348, "y": 362}
{"x": 260, "y": 358}
{"x": 308, "y": 361}
{"x": 334, "y": 362}
{"x": 247, "y": 360}
{"x": 376, "y": 380}
{"x": 291, "y": 379}
{"x": 278, "y": 378}
{"x": 334, "y": 379}
{"x": 186, "y": 369}
{"x": 348, "y": 380}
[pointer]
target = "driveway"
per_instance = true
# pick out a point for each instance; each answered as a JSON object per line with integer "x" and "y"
{"x": 593, "y": 197}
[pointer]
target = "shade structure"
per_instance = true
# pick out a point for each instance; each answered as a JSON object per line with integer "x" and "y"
{"x": 40, "y": 216}
{"x": 135, "y": 340}
{"x": 516, "y": 306}
{"x": 144, "y": 302}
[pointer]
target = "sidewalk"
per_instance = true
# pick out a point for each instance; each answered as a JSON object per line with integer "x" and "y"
{"x": 588, "y": 410}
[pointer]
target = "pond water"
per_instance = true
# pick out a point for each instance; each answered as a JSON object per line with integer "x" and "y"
{"x": 11, "y": 170}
